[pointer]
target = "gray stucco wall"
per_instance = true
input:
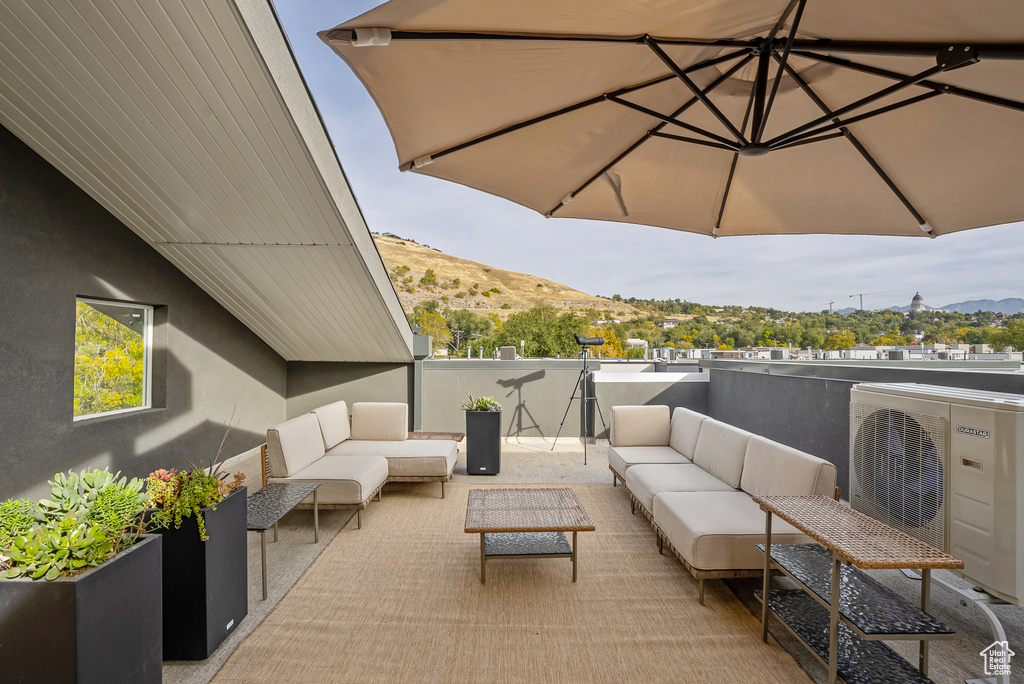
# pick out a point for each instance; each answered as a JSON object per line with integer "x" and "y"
{"x": 691, "y": 395}
{"x": 807, "y": 405}
{"x": 534, "y": 394}
{"x": 312, "y": 384}
{"x": 57, "y": 243}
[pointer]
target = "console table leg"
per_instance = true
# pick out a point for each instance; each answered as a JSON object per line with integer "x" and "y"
{"x": 316, "y": 519}
{"x": 833, "y": 622}
{"x": 926, "y": 591}
{"x": 483, "y": 560}
{"x": 573, "y": 556}
{"x": 765, "y": 589}
{"x": 263, "y": 553}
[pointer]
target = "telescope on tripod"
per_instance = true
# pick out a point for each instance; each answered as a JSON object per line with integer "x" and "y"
{"x": 582, "y": 382}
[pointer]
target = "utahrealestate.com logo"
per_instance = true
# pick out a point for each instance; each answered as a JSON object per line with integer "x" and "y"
{"x": 997, "y": 658}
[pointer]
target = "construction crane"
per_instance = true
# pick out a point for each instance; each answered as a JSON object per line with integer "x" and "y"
{"x": 862, "y": 294}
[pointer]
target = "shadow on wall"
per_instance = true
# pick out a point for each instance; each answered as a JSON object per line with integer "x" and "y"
{"x": 135, "y": 443}
{"x": 315, "y": 383}
{"x": 515, "y": 421}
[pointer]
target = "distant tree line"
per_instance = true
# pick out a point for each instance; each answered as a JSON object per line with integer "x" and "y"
{"x": 546, "y": 332}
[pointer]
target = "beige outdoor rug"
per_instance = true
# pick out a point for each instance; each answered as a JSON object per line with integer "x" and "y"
{"x": 401, "y": 601}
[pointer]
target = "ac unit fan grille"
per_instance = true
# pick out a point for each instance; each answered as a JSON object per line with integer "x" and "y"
{"x": 898, "y": 466}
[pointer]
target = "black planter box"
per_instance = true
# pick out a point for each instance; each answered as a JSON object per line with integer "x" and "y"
{"x": 103, "y": 626}
{"x": 483, "y": 442}
{"x": 206, "y": 588}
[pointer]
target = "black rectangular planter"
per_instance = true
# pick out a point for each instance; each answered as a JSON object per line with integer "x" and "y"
{"x": 206, "y": 584}
{"x": 483, "y": 442}
{"x": 103, "y": 626}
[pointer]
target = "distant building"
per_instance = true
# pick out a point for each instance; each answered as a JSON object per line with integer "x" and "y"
{"x": 917, "y": 303}
{"x": 669, "y": 323}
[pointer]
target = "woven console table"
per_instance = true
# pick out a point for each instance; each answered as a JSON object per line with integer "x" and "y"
{"x": 526, "y": 523}
{"x": 860, "y": 611}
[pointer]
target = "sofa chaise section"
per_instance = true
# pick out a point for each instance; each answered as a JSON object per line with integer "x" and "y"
{"x": 295, "y": 452}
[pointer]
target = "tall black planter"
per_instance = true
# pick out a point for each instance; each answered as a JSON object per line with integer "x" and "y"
{"x": 103, "y": 626}
{"x": 205, "y": 590}
{"x": 483, "y": 442}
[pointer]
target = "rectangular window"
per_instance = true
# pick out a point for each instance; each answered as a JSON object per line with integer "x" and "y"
{"x": 113, "y": 346}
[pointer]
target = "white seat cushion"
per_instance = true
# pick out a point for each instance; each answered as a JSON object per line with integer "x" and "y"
{"x": 719, "y": 530}
{"x": 685, "y": 431}
{"x": 773, "y": 469}
{"x": 379, "y": 420}
{"x": 294, "y": 444}
{"x": 344, "y": 480}
{"x": 646, "y": 481}
{"x": 720, "y": 450}
{"x": 640, "y": 426}
{"x": 411, "y": 458}
{"x": 621, "y": 458}
{"x": 334, "y": 423}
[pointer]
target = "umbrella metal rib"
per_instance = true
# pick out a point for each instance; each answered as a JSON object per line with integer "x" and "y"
{"x": 861, "y": 149}
{"x": 895, "y": 75}
{"x": 580, "y": 105}
{"x": 657, "y": 129}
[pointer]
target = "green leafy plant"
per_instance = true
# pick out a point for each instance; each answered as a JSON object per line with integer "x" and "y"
{"x": 17, "y": 517}
{"x": 177, "y": 495}
{"x": 481, "y": 404}
{"x": 90, "y": 518}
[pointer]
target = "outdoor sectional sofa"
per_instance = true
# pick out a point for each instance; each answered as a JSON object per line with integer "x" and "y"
{"x": 354, "y": 457}
{"x": 694, "y": 478}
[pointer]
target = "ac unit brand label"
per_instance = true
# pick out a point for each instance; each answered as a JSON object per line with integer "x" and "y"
{"x": 973, "y": 432}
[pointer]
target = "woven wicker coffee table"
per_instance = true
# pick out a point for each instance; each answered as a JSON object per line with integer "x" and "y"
{"x": 526, "y": 523}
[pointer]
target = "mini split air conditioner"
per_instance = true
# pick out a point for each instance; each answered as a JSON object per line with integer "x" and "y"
{"x": 945, "y": 465}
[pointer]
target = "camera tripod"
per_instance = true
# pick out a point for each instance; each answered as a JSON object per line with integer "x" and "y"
{"x": 581, "y": 382}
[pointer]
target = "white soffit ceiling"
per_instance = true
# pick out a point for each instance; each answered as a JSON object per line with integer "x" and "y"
{"x": 189, "y": 121}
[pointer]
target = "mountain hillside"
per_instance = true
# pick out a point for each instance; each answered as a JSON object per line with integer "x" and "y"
{"x": 482, "y": 289}
{"x": 1008, "y": 306}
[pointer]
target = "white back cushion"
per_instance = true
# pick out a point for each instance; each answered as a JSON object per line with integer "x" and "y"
{"x": 773, "y": 469}
{"x": 685, "y": 430}
{"x": 334, "y": 423}
{"x": 294, "y": 444}
{"x": 720, "y": 450}
{"x": 380, "y": 421}
{"x": 640, "y": 426}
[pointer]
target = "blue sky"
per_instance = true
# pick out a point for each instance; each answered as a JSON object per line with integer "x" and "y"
{"x": 798, "y": 273}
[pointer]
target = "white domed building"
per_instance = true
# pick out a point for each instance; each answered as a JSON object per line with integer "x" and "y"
{"x": 917, "y": 303}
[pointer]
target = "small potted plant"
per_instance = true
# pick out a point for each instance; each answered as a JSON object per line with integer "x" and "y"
{"x": 483, "y": 435}
{"x": 201, "y": 516}
{"x": 80, "y": 583}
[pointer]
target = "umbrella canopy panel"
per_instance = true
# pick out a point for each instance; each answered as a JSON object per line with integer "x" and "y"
{"x": 721, "y": 117}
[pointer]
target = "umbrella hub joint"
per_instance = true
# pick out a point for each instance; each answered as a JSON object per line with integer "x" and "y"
{"x": 754, "y": 149}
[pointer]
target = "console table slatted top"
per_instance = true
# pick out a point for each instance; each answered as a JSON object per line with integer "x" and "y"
{"x": 856, "y": 538}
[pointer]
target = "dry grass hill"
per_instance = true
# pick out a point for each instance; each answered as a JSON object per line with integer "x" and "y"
{"x": 463, "y": 284}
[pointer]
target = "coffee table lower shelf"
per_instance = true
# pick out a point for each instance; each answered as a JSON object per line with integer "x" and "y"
{"x": 860, "y": 661}
{"x": 525, "y": 545}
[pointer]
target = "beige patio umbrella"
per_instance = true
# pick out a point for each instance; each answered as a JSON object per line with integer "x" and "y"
{"x": 723, "y": 117}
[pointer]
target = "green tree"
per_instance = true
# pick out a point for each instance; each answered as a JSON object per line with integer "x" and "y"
{"x": 428, "y": 278}
{"x": 545, "y": 332}
{"x": 843, "y": 339}
{"x": 1012, "y": 336}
